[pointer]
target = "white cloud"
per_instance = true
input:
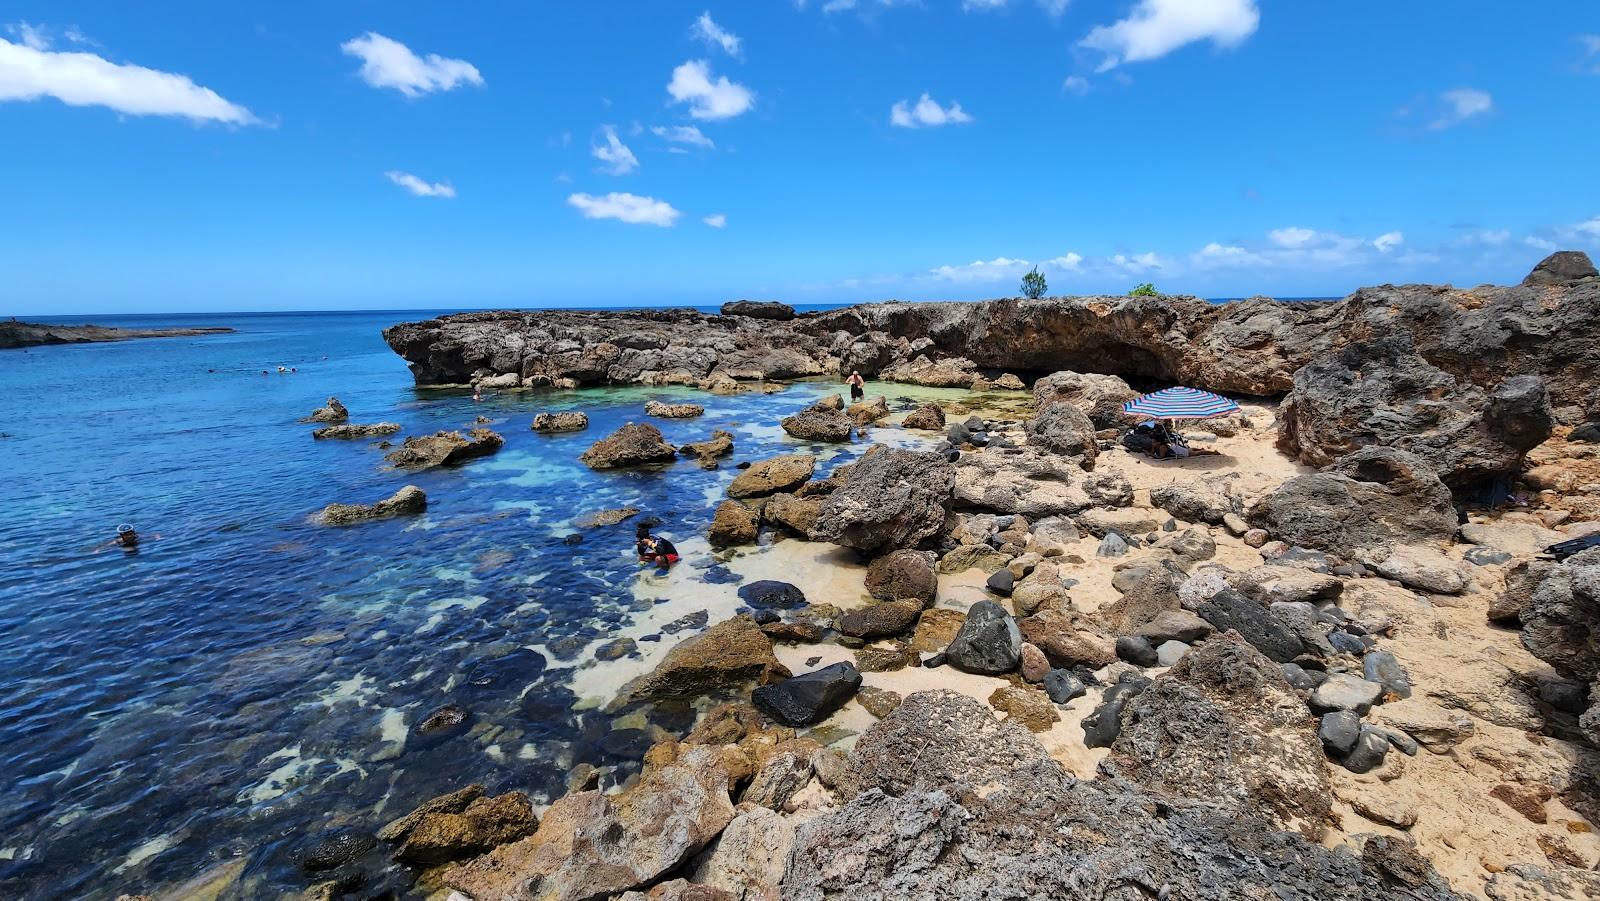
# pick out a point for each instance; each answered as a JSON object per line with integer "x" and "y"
{"x": 708, "y": 98}
{"x": 1217, "y": 254}
{"x": 716, "y": 221}
{"x": 618, "y": 158}
{"x": 31, "y": 36}
{"x": 1462, "y": 104}
{"x": 716, "y": 36}
{"x": 1139, "y": 262}
{"x": 1069, "y": 261}
{"x": 927, "y": 113}
{"x": 1540, "y": 243}
{"x": 982, "y": 5}
{"x": 387, "y": 63}
{"x": 1076, "y": 84}
{"x": 982, "y": 270}
{"x": 1158, "y": 27}
{"x": 624, "y": 207}
{"x": 419, "y": 187}
{"x": 683, "y": 134}
{"x": 1589, "y": 230}
{"x": 1591, "y": 52}
{"x": 31, "y": 70}
{"x": 1388, "y": 241}
{"x": 1293, "y": 236}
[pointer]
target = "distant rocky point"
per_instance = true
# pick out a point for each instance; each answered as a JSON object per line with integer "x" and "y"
{"x": 15, "y": 334}
{"x": 1547, "y": 326}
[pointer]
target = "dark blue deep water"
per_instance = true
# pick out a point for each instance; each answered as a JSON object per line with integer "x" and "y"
{"x": 248, "y": 676}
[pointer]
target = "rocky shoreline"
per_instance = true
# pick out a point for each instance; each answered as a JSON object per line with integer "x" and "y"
{"x": 1350, "y": 654}
{"x": 15, "y": 335}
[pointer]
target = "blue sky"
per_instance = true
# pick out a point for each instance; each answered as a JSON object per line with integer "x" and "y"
{"x": 363, "y": 154}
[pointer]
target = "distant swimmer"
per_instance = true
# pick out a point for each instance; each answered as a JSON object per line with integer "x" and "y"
{"x": 127, "y": 538}
{"x": 477, "y": 394}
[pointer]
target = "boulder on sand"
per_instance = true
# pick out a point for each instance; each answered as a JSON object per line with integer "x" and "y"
{"x": 1100, "y": 397}
{"x": 808, "y": 698}
{"x": 929, "y": 416}
{"x": 902, "y": 575}
{"x": 988, "y": 643}
{"x": 407, "y": 500}
{"x": 890, "y": 498}
{"x": 635, "y": 444}
{"x": 1206, "y": 500}
{"x": 349, "y": 432}
{"x": 733, "y": 524}
{"x": 444, "y": 449}
{"x": 334, "y": 413}
{"x": 1222, "y": 725}
{"x": 819, "y": 423}
{"x": 785, "y": 472}
{"x": 732, "y": 652}
{"x": 1383, "y": 393}
{"x": 566, "y": 421}
{"x": 1062, "y": 428}
{"x": 1369, "y": 501}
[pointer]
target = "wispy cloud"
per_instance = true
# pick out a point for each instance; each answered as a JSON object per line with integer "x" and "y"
{"x": 617, "y": 156}
{"x": 717, "y": 220}
{"x": 1388, "y": 241}
{"x": 1591, "y": 53}
{"x": 683, "y": 134}
{"x": 982, "y": 5}
{"x": 926, "y": 113}
{"x": 387, "y": 63}
{"x": 1460, "y": 105}
{"x": 30, "y": 70}
{"x": 1157, "y": 27}
{"x": 714, "y": 35}
{"x": 1217, "y": 254}
{"x": 708, "y": 98}
{"x": 418, "y": 186}
{"x": 630, "y": 208}
{"x": 1075, "y": 84}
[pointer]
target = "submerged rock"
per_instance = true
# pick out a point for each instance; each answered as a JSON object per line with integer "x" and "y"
{"x": 444, "y": 449}
{"x": 565, "y": 421}
{"x": 602, "y": 518}
{"x": 635, "y": 444}
{"x": 409, "y": 500}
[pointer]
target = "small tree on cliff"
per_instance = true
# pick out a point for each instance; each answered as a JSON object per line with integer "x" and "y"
{"x": 1144, "y": 290}
{"x": 1033, "y": 284}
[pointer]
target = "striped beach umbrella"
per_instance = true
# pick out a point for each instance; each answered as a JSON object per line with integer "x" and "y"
{"x": 1180, "y": 403}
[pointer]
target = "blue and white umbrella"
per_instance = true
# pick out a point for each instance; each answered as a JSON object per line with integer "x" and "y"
{"x": 1180, "y": 403}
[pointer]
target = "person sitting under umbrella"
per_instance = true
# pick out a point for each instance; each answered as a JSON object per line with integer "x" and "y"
{"x": 1157, "y": 435}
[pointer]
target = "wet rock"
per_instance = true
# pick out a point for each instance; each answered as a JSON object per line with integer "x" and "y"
{"x": 592, "y": 844}
{"x": 785, "y": 472}
{"x": 564, "y": 421}
{"x": 1062, "y": 428}
{"x": 444, "y": 449}
{"x": 1382, "y": 667}
{"x": 672, "y": 411}
{"x": 635, "y": 444}
{"x": 515, "y": 669}
{"x": 888, "y": 499}
{"x": 759, "y": 309}
{"x": 885, "y": 659}
{"x": 1136, "y": 650}
{"x": 808, "y": 698}
{"x": 331, "y": 849}
{"x": 1255, "y": 624}
{"x": 1338, "y": 732}
{"x": 1222, "y": 725}
{"x": 458, "y": 825}
{"x": 1381, "y": 392}
{"x": 1063, "y": 686}
{"x": 1343, "y": 691}
{"x": 770, "y": 594}
{"x": 720, "y": 444}
{"x": 988, "y": 643}
{"x": 616, "y": 649}
{"x": 1370, "y": 749}
{"x": 439, "y": 725}
{"x": 867, "y": 412}
{"x": 349, "y": 432}
{"x": 603, "y": 518}
{"x": 732, "y": 652}
{"x": 1560, "y": 268}
{"x": 732, "y": 525}
{"x": 408, "y": 501}
{"x": 1369, "y": 501}
{"x": 333, "y": 413}
{"x": 1030, "y": 707}
{"x": 903, "y": 575}
{"x": 885, "y": 619}
{"x": 819, "y": 424}
{"x": 929, "y": 416}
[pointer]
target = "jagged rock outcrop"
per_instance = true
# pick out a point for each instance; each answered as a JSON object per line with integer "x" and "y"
{"x": 1561, "y": 625}
{"x": 406, "y": 501}
{"x": 333, "y": 413}
{"x": 1029, "y": 482}
{"x": 672, "y": 411}
{"x": 565, "y": 421}
{"x": 352, "y": 432}
{"x": 890, "y": 498}
{"x": 635, "y": 444}
{"x": 1062, "y": 428}
{"x": 819, "y": 423}
{"x": 1482, "y": 335}
{"x": 444, "y": 449}
{"x": 458, "y": 825}
{"x": 759, "y": 309}
{"x": 929, "y": 416}
{"x": 732, "y": 652}
{"x": 1367, "y": 502}
{"x": 1382, "y": 392}
{"x": 1561, "y": 268}
{"x": 720, "y": 444}
{"x": 1222, "y": 725}
{"x": 785, "y": 472}
{"x": 1100, "y": 397}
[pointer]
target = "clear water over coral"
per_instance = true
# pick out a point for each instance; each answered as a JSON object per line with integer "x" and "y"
{"x": 249, "y": 676}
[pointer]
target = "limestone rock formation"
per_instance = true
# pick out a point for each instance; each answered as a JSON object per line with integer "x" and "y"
{"x": 785, "y": 472}
{"x": 406, "y": 501}
{"x": 1062, "y": 428}
{"x": 351, "y": 432}
{"x": 818, "y": 423}
{"x": 890, "y": 498}
{"x": 732, "y": 652}
{"x": 565, "y": 421}
{"x": 672, "y": 411}
{"x": 1100, "y": 397}
{"x": 1369, "y": 501}
{"x": 444, "y": 449}
{"x": 458, "y": 825}
{"x": 635, "y": 444}
{"x": 759, "y": 309}
{"x": 929, "y": 416}
{"x": 332, "y": 413}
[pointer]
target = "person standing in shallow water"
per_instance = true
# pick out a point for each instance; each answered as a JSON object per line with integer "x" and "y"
{"x": 858, "y": 386}
{"x": 655, "y": 549}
